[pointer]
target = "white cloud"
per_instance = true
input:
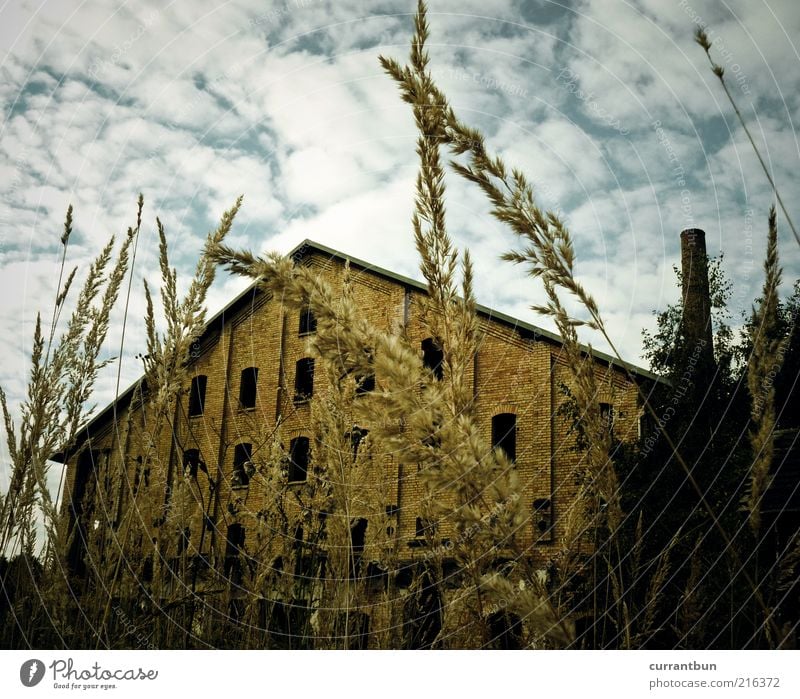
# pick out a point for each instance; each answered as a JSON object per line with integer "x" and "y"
{"x": 195, "y": 103}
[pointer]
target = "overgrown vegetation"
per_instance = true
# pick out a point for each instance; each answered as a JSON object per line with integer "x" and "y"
{"x": 667, "y": 532}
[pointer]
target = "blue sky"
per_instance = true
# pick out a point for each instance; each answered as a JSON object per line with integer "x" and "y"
{"x": 608, "y": 106}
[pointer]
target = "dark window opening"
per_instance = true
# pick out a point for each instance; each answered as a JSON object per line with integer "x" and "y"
{"x": 308, "y": 321}
{"x": 356, "y": 437}
{"x": 303, "y": 565}
{"x": 298, "y": 459}
{"x": 504, "y": 434}
{"x": 542, "y": 516}
{"x": 288, "y": 624}
{"x": 247, "y": 388}
{"x": 607, "y": 417}
{"x": 81, "y": 510}
{"x": 304, "y": 379}
{"x": 242, "y": 465}
{"x": 505, "y": 631}
{"x": 391, "y": 511}
{"x": 147, "y": 569}
{"x": 192, "y": 462}
{"x": 424, "y": 527}
{"x": 197, "y": 396}
{"x": 433, "y": 440}
{"x": 234, "y": 550}
{"x": 647, "y": 425}
{"x": 422, "y": 614}
{"x": 365, "y": 384}
{"x": 433, "y": 357}
{"x": 358, "y": 534}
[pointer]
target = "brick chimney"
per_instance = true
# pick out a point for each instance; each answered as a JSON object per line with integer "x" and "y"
{"x": 697, "y": 329}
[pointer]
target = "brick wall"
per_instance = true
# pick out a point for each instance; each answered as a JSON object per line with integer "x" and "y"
{"x": 515, "y": 372}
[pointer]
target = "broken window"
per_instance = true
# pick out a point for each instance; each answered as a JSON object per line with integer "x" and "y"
{"x": 147, "y": 569}
{"x": 298, "y": 459}
{"x": 247, "y": 388}
{"x": 434, "y": 439}
{"x": 242, "y": 464}
{"x": 365, "y": 383}
{"x": 424, "y": 527}
{"x": 234, "y": 550}
{"x": 192, "y": 462}
{"x": 197, "y": 396}
{"x": 433, "y": 357}
{"x": 607, "y": 417}
{"x": 356, "y": 437}
{"x": 504, "y": 434}
{"x": 304, "y": 379}
{"x": 308, "y": 321}
{"x": 391, "y": 512}
{"x": 358, "y": 534}
{"x": 542, "y": 516}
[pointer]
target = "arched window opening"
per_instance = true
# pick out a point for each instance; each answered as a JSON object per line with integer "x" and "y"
{"x": 504, "y": 434}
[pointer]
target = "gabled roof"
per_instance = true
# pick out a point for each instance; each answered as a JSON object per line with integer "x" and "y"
{"x": 527, "y": 329}
{"x": 246, "y": 298}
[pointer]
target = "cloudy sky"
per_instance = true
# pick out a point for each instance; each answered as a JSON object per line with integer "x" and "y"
{"x": 607, "y": 105}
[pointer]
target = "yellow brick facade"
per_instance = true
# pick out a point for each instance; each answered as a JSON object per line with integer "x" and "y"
{"x": 518, "y": 370}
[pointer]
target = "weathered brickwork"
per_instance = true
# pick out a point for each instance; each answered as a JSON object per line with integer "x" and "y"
{"x": 518, "y": 370}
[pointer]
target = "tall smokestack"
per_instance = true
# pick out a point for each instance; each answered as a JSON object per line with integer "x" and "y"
{"x": 697, "y": 330}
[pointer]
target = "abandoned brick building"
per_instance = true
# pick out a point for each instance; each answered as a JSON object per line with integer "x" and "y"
{"x": 250, "y": 371}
